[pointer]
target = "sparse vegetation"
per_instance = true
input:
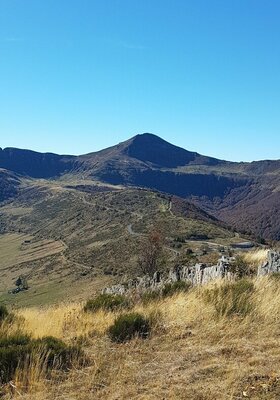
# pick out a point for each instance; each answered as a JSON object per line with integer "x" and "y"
{"x": 128, "y": 326}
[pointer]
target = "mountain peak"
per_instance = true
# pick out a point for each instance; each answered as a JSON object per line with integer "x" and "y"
{"x": 149, "y": 135}
{"x": 151, "y": 148}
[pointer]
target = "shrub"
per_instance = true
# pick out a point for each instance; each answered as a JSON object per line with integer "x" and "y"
{"x": 3, "y": 313}
{"x": 171, "y": 288}
{"x": 17, "y": 339}
{"x": 130, "y": 325}
{"x": 10, "y": 358}
{"x": 109, "y": 302}
{"x": 15, "y": 350}
{"x": 58, "y": 353}
{"x": 232, "y": 298}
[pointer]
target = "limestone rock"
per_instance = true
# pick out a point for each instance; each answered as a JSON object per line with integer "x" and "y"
{"x": 271, "y": 265}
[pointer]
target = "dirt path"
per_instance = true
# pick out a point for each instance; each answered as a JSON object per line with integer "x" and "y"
{"x": 132, "y": 232}
{"x": 170, "y": 207}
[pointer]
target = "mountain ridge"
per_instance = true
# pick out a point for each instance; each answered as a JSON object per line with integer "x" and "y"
{"x": 128, "y": 146}
{"x": 227, "y": 190}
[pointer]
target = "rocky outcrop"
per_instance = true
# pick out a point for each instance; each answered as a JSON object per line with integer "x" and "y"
{"x": 198, "y": 274}
{"x": 272, "y": 264}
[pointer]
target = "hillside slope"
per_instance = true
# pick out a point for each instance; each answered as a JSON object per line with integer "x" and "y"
{"x": 9, "y": 185}
{"x": 75, "y": 238}
{"x": 197, "y": 349}
{"x": 245, "y": 195}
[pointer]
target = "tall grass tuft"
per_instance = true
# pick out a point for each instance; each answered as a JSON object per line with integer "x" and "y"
{"x": 233, "y": 298}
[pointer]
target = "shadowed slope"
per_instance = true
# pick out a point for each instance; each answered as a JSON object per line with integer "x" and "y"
{"x": 34, "y": 164}
{"x": 9, "y": 184}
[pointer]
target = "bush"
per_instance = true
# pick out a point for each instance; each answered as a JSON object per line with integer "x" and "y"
{"x": 58, "y": 353}
{"x": 10, "y": 357}
{"x": 130, "y": 325}
{"x": 171, "y": 288}
{"x": 3, "y": 313}
{"x": 232, "y": 298}
{"x": 109, "y": 302}
{"x": 16, "y": 349}
{"x": 17, "y": 339}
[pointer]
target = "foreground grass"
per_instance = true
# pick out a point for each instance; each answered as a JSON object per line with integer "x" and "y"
{"x": 194, "y": 351}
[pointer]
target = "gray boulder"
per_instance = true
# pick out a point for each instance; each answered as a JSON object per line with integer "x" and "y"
{"x": 271, "y": 265}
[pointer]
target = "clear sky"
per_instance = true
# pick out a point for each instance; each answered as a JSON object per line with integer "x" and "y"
{"x": 80, "y": 75}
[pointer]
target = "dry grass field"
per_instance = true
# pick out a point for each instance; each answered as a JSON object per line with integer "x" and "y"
{"x": 196, "y": 349}
{"x": 23, "y": 254}
{"x": 20, "y": 248}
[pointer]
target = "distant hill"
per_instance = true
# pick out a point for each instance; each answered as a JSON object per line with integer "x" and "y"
{"x": 34, "y": 164}
{"x": 9, "y": 185}
{"x": 245, "y": 195}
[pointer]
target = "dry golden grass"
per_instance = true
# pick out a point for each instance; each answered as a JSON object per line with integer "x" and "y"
{"x": 256, "y": 257}
{"x": 191, "y": 354}
{"x": 64, "y": 321}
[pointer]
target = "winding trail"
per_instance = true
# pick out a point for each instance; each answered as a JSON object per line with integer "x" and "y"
{"x": 132, "y": 232}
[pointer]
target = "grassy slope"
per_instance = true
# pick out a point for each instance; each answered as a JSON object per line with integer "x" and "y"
{"x": 77, "y": 237}
{"x": 192, "y": 353}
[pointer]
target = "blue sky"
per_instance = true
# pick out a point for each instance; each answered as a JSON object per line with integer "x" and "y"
{"x": 80, "y": 75}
